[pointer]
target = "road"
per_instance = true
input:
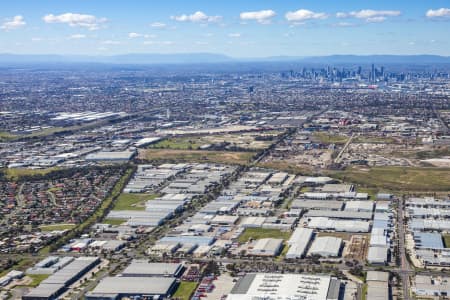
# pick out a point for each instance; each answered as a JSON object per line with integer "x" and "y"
{"x": 405, "y": 268}
{"x": 338, "y": 158}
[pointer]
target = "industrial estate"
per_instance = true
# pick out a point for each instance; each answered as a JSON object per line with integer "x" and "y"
{"x": 304, "y": 184}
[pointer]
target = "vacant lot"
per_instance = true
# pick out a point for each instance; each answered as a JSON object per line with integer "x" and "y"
{"x": 261, "y": 233}
{"x": 326, "y": 138}
{"x": 286, "y": 167}
{"x": 398, "y": 178}
{"x": 182, "y": 143}
{"x": 245, "y": 141}
{"x": 128, "y": 201}
{"x": 375, "y": 140}
{"x": 176, "y": 156}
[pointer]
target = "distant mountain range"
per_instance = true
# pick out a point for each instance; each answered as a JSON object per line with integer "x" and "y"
{"x": 197, "y": 58}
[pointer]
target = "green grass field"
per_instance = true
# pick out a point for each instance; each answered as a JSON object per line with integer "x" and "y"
{"x": 113, "y": 221}
{"x": 185, "y": 290}
{"x": 178, "y": 156}
{"x": 37, "y": 279}
{"x": 56, "y": 227}
{"x": 326, "y": 138}
{"x": 398, "y": 178}
{"x": 127, "y": 201}
{"x": 371, "y": 191}
{"x": 183, "y": 143}
{"x": 6, "y": 136}
{"x": 261, "y": 233}
{"x": 16, "y": 173}
{"x": 375, "y": 140}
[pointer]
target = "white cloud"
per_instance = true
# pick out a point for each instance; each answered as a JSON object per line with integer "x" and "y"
{"x": 370, "y": 15}
{"x": 158, "y": 25}
{"x": 77, "y": 36}
{"x": 304, "y": 14}
{"x": 438, "y": 13}
{"x": 197, "y": 17}
{"x": 111, "y": 42}
{"x": 134, "y": 35}
{"x": 14, "y": 23}
{"x": 341, "y": 15}
{"x": 36, "y": 39}
{"x": 161, "y": 43}
{"x": 376, "y": 19}
{"x": 261, "y": 16}
{"x": 234, "y": 35}
{"x": 89, "y": 22}
{"x": 344, "y": 24}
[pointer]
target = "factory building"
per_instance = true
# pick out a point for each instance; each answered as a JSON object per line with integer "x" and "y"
{"x": 286, "y": 286}
{"x": 378, "y": 286}
{"x": 106, "y": 156}
{"x": 112, "y": 288}
{"x": 299, "y": 242}
{"x": 326, "y": 246}
{"x": 57, "y": 283}
{"x": 266, "y": 247}
{"x": 142, "y": 268}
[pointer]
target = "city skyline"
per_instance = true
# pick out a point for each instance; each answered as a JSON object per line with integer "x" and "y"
{"x": 236, "y": 29}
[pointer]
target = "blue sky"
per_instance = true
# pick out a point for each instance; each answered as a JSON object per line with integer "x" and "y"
{"x": 245, "y": 28}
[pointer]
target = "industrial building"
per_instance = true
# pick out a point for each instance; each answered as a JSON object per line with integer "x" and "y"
{"x": 329, "y": 224}
{"x": 52, "y": 287}
{"x": 266, "y": 247}
{"x": 108, "y": 156}
{"x": 378, "y": 255}
{"x": 112, "y": 288}
{"x": 285, "y": 286}
{"x": 326, "y": 246}
{"x": 143, "y": 268}
{"x": 431, "y": 286}
{"x": 298, "y": 243}
{"x": 378, "y": 286}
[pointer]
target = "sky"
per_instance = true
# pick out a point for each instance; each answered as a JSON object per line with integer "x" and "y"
{"x": 237, "y": 28}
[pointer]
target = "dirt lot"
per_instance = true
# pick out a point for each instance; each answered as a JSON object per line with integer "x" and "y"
{"x": 169, "y": 155}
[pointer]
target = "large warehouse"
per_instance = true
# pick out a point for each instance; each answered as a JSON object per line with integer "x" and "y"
{"x": 285, "y": 286}
{"x": 326, "y": 246}
{"x": 299, "y": 242}
{"x": 266, "y": 247}
{"x": 112, "y": 288}
{"x": 57, "y": 283}
{"x": 142, "y": 268}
